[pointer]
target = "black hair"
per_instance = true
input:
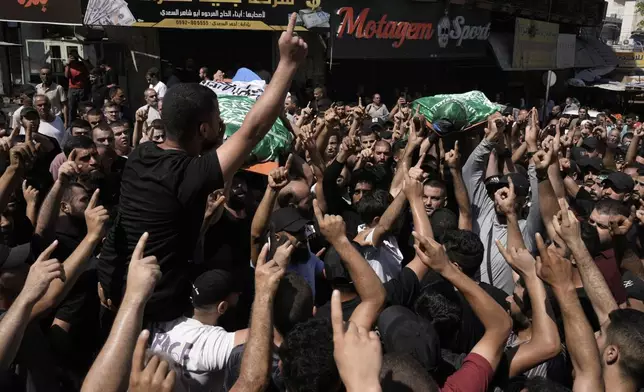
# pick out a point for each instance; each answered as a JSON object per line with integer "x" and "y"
{"x": 80, "y": 123}
{"x": 293, "y": 303}
{"x": 368, "y": 132}
{"x": 465, "y": 249}
{"x": 402, "y": 372}
{"x": 612, "y": 207}
{"x": 434, "y": 183}
{"x": 153, "y": 72}
{"x": 373, "y": 205}
{"x": 626, "y": 331}
{"x": 157, "y": 124}
{"x": 185, "y": 107}
{"x": 307, "y": 358}
{"x": 362, "y": 175}
{"x": 74, "y": 142}
{"x": 68, "y": 192}
{"x": 110, "y": 104}
{"x": 46, "y": 66}
{"x": 399, "y": 145}
{"x": 97, "y": 71}
{"x": 120, "y": 123}
{"x": 85, "y": 105}
{"x": 444, "y": 314}
{"x": 590, "y": 237}
{"x": 442, "y": 220}
{"x": 95, "y": 112}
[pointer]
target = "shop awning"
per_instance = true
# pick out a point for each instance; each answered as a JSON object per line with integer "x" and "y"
{"x": 3, "y": 43}
{"x": 590, "y": 53}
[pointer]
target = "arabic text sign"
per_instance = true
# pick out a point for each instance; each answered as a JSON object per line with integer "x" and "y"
{"x": 214, "y": 14}
{"x": 630, "y": 60}
{"x": 42, "y": 11}
{"x": 535, "y": 44}
{"x": 252, "y": 89}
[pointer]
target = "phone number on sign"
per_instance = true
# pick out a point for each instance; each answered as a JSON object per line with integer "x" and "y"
{"x": 211, "y": 23}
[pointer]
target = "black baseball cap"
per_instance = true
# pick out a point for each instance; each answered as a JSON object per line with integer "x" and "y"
{"x": 620, "y": 182}
{"x": 587, "y": 164}
{"x": 288, "y": 219}
{"x": 211, "y": 287}
{"x": 403, "y": 331}
{"x": 28, "y": 110}
{"x": 590, "y": 143}
{"x": 12, "y": 257}
{"x": 521, "y": 183}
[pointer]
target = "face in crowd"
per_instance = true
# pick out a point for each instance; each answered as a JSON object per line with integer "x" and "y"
{"x": 43, "y": 106}
{"x": 103, "y": 135}
{"x": 151, "y": 98}
{"x": 332, "y": 147}
{"x": 112, "y": 113}
{"x": 360, "y": 190}
{"x": 46, "y": 76}
{"x": 121, "y": 136}
{"x": 434, "y": 197}
{"x": 368, "y": 141}
{"x": 382, "y": 152}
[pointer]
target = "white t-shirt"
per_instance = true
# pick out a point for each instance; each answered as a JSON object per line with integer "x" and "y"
{"x": 386, "y": 259}
{"x": 201, "y": 351}
{"x": 160, "y": 88}
{"x": 55, "y": 129}
{"x": 153, "y": 114}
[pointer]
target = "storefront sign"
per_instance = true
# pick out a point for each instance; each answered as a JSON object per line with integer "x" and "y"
{"x": 566, "y": 49}
{"x": 630, "y": 60}
{"x": 408, "y": 30}
{"x": 66, "y": 12}
{"x": 535, "y": 44}
{"x": 197, "y": 14}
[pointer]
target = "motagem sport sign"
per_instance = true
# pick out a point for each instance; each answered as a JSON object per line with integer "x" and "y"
{"x": 408, "y": 30}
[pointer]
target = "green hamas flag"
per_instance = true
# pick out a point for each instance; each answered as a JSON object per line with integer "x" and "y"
{"x": 455, "y": 112}
{"x": 276, "y": 142}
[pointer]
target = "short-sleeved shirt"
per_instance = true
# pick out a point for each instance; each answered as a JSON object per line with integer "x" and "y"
{"x": 79, "y": 75}
{"x": 56, "y": 94}
{"x": 160, "y": 88}
{"x": 201, "y": 352}
{"x": 164, "y": 193}
{"x": 474, "y": 376}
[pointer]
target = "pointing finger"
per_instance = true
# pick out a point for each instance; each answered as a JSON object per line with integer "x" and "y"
{"x": 318, "y": 212}
{"x": 261, "y": 259}
{"x": 336, "y": 316}
{"x": 47, "y": 252}
{"x": 94, "y": 200}
{"x": 24, "y": 186}
{"x": 14, "y": 133}
{"x": 504, "y": 252}
{"x": 511, "y": 185}
{"x": 291, "y": 24}
{"x": 289, "y": 161}
{"x": 140, "y": 247}
{"x": 456, "y": 147}
{"x": 138, "y": 359}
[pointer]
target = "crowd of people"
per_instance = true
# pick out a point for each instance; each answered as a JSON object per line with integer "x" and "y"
{"x": 137, "y": 254}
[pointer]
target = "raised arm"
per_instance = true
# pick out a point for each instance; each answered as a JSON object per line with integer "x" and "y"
{"x": 365, "y": 280}
{"x": 388, "y": 219}
{"x": 262, "y": 116}
{"x": 496, "y": 322}
{"x": 638, "y": 135}
{"x": 453, "y": 161}
{"x": 474, "y": 168}
{"x": 277, "y": 180}
{"x": 567, "y": 227}
{"x": 110, "y": 370}
{"x": 580, "y": 341}
{"x": 51, "y": 205}
{"x": 96, "y": 218}
{"x": 545, "y": 342}
{"x": 256, "y": 362}
{"x": 21, "y": 156}
{"x": 15, "y": 321}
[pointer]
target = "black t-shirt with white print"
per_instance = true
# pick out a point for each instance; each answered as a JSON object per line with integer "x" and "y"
{"x": 164, "y": 193}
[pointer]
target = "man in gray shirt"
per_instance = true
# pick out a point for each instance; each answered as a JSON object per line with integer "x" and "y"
{"x": 489, "y": 223}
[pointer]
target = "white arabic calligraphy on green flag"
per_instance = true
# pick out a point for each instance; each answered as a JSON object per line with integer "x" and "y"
{"x": 455, "y": 112}
{"x": 276, "y": 142}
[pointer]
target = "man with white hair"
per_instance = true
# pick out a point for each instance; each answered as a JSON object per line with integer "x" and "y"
{"x": 151, "y": 106}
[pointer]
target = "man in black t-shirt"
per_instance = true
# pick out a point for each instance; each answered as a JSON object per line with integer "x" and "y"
{"x": 164, "y": 187}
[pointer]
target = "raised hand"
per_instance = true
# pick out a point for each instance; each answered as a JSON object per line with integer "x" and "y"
{"x": 520, "y": 260}
{"x": 278, "y": 178}
{"x": 143, "y": 273}
{"x": 566, "y": 224}
{"x": 552, "y": 268}
{"x": 492, "y": 133}
{"x": 621, "y": 225}
{"x": 283, "y": 254}
{"x": 332, "y": 227}
{"x": 431, "y": 253}
{"x": 267, "y": 274}
{"x": 453, "y": 158}
{"x": 68, "y": 169}
{"x": 292, "y": 48}
{"x": 29, "y": 193}
{"x": 307, "y": 111}
{"x": 532, "y": 129}
{"x": 415, "y": 172}
{"x": 41, "y": 274}
{"x": 155, "y": 376}
{"x": 215, "y": 201}
{"x": 96, "y": 217}
{"x": 142, "y": 114}
{"x": 331, "y": 116}
{"x": 506, "y": 198}
{"x": 22, "y": 156}
{"x": 357, "y": 352}
{"x": 543, "y": 159}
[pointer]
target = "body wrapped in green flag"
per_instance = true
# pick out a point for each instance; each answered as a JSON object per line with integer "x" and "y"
{"x": 450, "y": 113}
{"x": 276, "y": 142}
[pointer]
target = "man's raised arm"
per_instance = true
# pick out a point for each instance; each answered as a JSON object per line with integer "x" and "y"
{"x": 262, "y": 116}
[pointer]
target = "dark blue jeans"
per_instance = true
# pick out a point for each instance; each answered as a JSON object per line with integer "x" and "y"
{"x": 74, "y": 97}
